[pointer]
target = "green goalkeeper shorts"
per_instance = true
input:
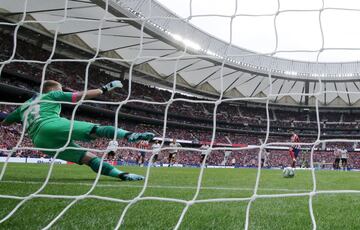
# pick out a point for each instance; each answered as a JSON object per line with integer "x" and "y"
{"x": 54, "y": 135}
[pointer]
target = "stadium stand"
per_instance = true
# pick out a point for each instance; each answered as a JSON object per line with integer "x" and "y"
{"x": 239, "y": 123}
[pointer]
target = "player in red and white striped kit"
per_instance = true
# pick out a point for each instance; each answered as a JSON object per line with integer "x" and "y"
{"x": 294, "y": 149}
{"x": 142, "y": 145}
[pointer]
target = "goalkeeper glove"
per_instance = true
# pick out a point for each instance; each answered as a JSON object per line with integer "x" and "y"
{"x": 130, "y": 177}
{"x": 147, "y": 136}
{"x": 112, "y": 85}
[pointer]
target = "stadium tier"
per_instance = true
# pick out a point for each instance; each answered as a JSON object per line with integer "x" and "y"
{"x": 236, "y": 118}
{"x": 122, "y": 114}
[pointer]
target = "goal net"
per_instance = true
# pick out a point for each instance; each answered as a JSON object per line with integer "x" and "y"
{"x": 112, "y": 39}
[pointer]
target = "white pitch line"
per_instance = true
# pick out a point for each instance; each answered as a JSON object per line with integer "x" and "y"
{"x": 154, "y": 186}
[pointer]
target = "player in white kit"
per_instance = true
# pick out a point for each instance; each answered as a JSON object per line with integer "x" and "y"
{"x": 173, "y": 152}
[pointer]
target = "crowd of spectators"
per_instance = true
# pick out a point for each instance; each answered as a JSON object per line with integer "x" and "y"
{"x": 72, "y": 75}
{"x": 227, "y": 115}
{"x": 244, "y": 158}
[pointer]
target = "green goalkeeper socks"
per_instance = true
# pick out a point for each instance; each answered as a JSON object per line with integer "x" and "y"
{"x": 107, "y": 169}
{"x": 108, "y": 132}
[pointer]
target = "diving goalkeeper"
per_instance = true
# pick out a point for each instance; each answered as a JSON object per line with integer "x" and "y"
{"x": 48, "y": 130}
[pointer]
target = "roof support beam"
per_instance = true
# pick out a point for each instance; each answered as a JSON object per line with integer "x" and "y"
{"x": 336, "y": 88}
{"x": 81, "y": 1}
{"x": 257, "y": 86}
{"x": 202, "y": 68}
{"x": 225, "y": 75}
{"x": 347, "y": 93}
{"x": 128, "y": 46}
{"x": 49, "y": 10}
{"x": 91, "y": 30}
{"x": 127, "y": 36}
{"x": 88, "y": 19}
{"x": 271, "y": 83}
{"x": 254, "y": 76}
{"x": 280, "y": 88}
{"x": 357, "y": 87}
{"x": 325, "y": 94}
{"x": 233, "y": 82}
{"x": 207, "y": 77}
{"x": 302, "y": 96}
{"x": 153, "y": 59}
{"x": 306, "y": 89}
{"x": 292, "y": 86}
{"x": 183, "y": 68}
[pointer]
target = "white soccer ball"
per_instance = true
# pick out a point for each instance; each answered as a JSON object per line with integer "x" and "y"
{"x": 288, "y": 172}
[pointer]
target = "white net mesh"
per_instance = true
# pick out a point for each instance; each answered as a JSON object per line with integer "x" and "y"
{"x": 146, "y": 20}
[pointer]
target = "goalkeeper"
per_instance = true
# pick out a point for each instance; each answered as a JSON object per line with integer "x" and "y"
{"x": 48, "y": 130}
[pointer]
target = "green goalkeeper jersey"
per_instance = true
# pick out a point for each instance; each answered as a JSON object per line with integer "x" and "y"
{"x": 38, "y": 114}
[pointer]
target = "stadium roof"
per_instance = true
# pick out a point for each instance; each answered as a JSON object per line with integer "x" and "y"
{"x": 164, "y": 45}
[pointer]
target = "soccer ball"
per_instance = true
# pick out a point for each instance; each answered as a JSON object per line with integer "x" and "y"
{"x": 288, "y": 172}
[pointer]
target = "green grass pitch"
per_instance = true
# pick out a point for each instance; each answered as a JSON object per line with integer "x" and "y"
{"x": 332, "y": 211}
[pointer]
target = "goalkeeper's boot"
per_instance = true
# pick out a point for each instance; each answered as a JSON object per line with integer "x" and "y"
{"x": 147, "y": 136}
{"x": 130, "y": 177}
